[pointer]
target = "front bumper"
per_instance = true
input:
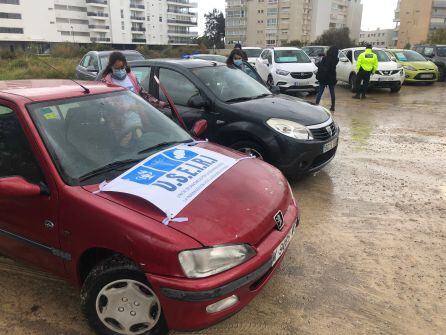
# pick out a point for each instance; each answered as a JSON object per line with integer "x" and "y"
{"x": 184, "y": 301}
{"x": 417, "y": 76}
{"x": 289, "y": 84}
{"x": 381, "y": 81}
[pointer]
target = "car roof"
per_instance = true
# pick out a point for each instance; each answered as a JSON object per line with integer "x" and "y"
{"x": 51, "y": 89}
{"x": 108, "y": 52}
{"x": 252, "y": 48}
{"x": 361, "y": 48}
{"x": 285, "y": 48}
{"x": 179, "y": 63}
{"x": 315, "y": 46}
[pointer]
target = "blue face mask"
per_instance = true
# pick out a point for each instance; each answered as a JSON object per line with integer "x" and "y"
{"x": 238, "y": 62}
{"x": 119, "y": 74}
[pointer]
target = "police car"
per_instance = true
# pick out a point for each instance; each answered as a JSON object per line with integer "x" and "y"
{"x": 390, "y": 74}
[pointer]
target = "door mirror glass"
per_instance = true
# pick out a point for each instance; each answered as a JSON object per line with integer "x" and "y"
{"x": 197, "y": 101}
{"x": 18, "y": 187}
{"x": 199, "y": 128}
{"x": 275, "y": 90}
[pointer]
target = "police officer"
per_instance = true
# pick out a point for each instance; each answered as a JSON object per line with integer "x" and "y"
{"x": 366, "y": 65}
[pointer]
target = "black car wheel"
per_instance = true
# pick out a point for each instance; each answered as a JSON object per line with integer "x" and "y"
{"x": 352, "y": 82}
{"x": 395, "y": 89}
{"x": 250, "y": 148}
{"x": 117, "y": 300}
{"x": 441, "y": 74}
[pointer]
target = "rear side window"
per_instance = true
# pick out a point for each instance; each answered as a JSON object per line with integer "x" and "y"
{"x": 86, "y": 60}
{"x": 16, "y": 157}
{"x": 178, "y": 86}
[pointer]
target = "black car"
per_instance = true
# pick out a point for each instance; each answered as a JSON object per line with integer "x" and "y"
{"x": 243, "y": 114}
{"x": 95, "y": 61}
{"x": 437, "y": 55}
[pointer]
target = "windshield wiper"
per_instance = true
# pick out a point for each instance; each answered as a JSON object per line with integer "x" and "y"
{"x": 107, "y": 168}
{"x": 240, "y": 99}
{"x": 161, "y": 145}
{"x": 262, "y": 95}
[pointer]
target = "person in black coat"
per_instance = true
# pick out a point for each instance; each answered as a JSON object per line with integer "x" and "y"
{"x": 327, "y": 75}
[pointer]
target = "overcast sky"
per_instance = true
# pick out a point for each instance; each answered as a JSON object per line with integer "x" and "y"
{"x": 377, "y": 13}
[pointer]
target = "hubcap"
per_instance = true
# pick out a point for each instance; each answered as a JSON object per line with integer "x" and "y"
{"x": 251, "y": 152}
{"x": 128, "y": 307}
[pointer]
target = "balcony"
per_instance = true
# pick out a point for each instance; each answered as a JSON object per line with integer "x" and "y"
{"x": 182, "y": 3}
{"x": 138, "y": 29}
{"x": 97, "y": 14}
{"x": 138, "y": 40}
{"x": 191, "y": 34}
{"x": 100, "y": 39}
{"x": 97, "y": 2}
{"x": 98, "y": 27}
{"x": 137, "y": 18}
{"x": 439, "y": 4}
{"x": 137, "y": 7}
{"x": 182, "y": 22}
{"x": 171, "y": 10}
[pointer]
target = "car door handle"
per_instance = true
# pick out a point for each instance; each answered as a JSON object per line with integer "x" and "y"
{"x": 220, "y": 122}
{"x": 49, "y": 224}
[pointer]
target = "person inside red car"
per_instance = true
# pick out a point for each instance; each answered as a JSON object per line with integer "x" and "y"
{"x": 119, "y": 73}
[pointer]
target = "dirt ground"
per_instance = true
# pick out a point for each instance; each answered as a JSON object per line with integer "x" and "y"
{"x": 368, "y": 258}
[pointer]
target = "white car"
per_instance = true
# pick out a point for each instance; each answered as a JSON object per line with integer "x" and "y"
{"x": 390, "y": 74}
{"x": 252, "y": 53}
{"x": 288, "y": 68}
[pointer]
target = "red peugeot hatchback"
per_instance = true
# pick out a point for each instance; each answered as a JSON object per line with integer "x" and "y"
{"x": 138, "y": 272}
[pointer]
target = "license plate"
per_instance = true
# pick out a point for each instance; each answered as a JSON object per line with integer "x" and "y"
{"x": 302, "y": 83}
{"x": 283, "y": 245}
{"x": 385, "y": 79}
{"x": 426, "y": 76}
{"x": 330, "y": 145}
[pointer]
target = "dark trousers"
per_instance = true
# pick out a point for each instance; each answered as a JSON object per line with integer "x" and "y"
{"x": 362, "y": 81}
{"x": 321, "y": 92}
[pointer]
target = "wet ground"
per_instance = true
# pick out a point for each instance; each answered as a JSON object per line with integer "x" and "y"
{"x": 369, "y": 256}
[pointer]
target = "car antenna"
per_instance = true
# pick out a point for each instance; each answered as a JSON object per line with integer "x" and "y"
{"x": 86, "y": 89}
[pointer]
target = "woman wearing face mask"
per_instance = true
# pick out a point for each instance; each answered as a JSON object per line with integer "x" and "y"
{"x": 236, "y": 60}
{"x": 119, "y": 73}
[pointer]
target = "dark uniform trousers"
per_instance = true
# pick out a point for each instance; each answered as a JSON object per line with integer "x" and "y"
{"x": 362, "y": 81}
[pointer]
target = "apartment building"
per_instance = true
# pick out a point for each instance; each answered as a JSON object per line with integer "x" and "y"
{"x": 122, "y": 22}
{"x": 416, "y": 19}
{"x": 275, "y": 22}
{"x": 382, "y": 38}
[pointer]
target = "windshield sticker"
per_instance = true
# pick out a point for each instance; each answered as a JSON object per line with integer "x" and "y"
{"x": 401, "y": 57}
{"x": 172, "y": 178}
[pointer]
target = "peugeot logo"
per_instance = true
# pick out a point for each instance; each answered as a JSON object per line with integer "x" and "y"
{"x": 329, "y": 131}
{"x": 278, "y": 218}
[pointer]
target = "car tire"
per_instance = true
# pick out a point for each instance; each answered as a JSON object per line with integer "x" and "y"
{"x": 250, "y": 148}
{"x": 270, "y": 81}
{"x": 123, "y": 278}
{"x": 395, "y": 89}
{"x": 352, "y": 82}
{"x": 441, "y": 74}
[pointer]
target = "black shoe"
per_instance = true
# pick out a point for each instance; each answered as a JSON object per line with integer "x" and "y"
{"x": 356, "y": 97}
{"x": 332, "y": 109}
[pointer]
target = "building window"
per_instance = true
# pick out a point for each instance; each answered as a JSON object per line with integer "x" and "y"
{"x": 10, "y": 2}
{"x": 122, "y": 13}
{"x": 7, "y": 30}
{"x": 10, "y": 16}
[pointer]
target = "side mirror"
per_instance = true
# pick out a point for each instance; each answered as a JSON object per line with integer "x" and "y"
{"x": 199, "y": 128}
{"x": 19, "y": 187}
{"x": 91, "y": 68}
{"x": 393, "y": 59}
{"x": 197, "y": 101}
{"x": 275, "y": 90}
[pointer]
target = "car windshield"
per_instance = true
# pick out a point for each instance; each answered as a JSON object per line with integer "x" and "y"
{"x": 252, "y": 53}
{"x": 88, "y": 133}
{"x": 382, "y": 55}
{"x": 441, "y": 51}
{"x": 129, "y": 57}
{"x": 230, "y": 84}
{"x": 409, "y": 56}
{"x": 291, "y": 56}
{"x": 314, "y": 51}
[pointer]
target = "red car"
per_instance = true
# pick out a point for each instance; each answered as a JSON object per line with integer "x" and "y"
{"x": 59, "y": 141}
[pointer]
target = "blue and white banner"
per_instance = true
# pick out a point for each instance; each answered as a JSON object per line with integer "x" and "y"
{"x": 172, "y": 178}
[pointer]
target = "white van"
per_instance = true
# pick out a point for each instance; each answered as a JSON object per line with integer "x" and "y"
{"x": 390, "y": 74}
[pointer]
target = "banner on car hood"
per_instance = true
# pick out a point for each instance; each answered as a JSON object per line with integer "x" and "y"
{"x": 172, "y": 178}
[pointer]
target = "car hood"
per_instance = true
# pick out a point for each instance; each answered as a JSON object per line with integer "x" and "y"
{"x": 421, "y": 65}
{"x": 386, "y": 66}
{"x": 238, "y": 207}
{"x": 283, "y": 107}
{"x": 296, "y": 67}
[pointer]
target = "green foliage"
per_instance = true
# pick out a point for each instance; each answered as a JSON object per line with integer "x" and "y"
{"x": 337, "y": 37}
{"x": 438, "y": 36}
{"x": 169, "y": 51}
{"x": 408, "y": 46}
{"x": 295, "y": 43}
{"x": 215, "y": 30}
